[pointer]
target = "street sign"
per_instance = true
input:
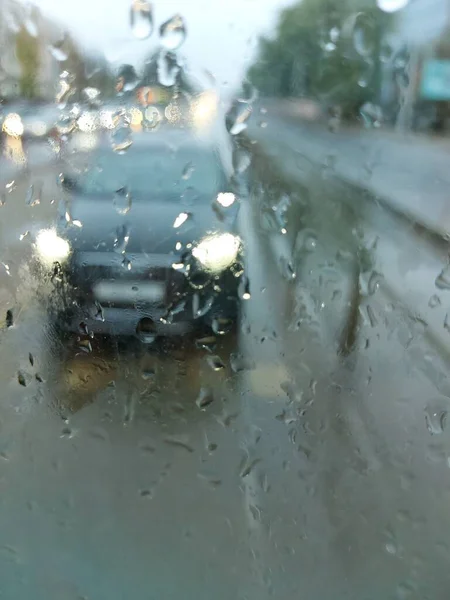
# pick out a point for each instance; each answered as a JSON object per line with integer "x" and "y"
{"x": 435, "y": 81}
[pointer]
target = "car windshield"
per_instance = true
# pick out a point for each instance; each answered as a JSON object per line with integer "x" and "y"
{"x": 152, "y": 171}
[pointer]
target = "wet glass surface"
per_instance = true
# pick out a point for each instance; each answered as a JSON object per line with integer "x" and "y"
{"x": 224, "y": 279}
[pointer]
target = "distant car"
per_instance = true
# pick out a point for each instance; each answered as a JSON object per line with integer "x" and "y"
{"x": 147, "y": 243}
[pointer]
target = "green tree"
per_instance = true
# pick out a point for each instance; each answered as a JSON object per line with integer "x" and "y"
{"x": 324, "y": 49}
{"x": 27, "y": 52}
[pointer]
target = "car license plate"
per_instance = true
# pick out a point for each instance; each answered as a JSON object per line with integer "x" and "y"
{"x": 129, "y": 292}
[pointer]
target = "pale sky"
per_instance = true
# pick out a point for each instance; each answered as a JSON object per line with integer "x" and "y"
{"x": 222, "y": 34}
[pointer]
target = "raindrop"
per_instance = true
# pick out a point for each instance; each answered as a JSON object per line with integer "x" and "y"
{"x": 33, "y": 196}
{"x": 182, "y": 218}
{"x": 372, "y": 317}
{"x": 152, "y": 117}
{"x": 241, "y": 160}
{"x": 64, "y": 88}
{"x": 244, "y": 289}
{"x": 22, "y": 379}
{"x": 141, "y": 19}
{"x": 226, "y": 199}
{"x": 371, "y": 114}
{"x": 9, "y": 318}
{"x": 239, "y": 363}
{"x": 179, "y": 442}
{"x": 434, "y": 301}
{"x": 248, "y": 92}
{"x": 167, "y": 69}
{"x": 215, "y": 362}
{"x": 236, "y": 119}
{"x": 67, "y": 432}
{"x": 385, "y": 52}
{"x": 442, "y": 281}
{"x": 127, "y": 80}
{"x": 205, "y": 398}
{"x": 436, "y": 416}
{"x": 122, "y": 201}
{"x": 126, "y": 264}
{"x": 374, "y": 282}
{"x": 306, "y": 241}
{"x": 66, "y": 123}
{"x": 391, "y": 6}
{"x": 122, "y": 238}
{"x": 58, "y": 53}
{"x": 85, "y": 346}
{"x": 362, "y": 34}
{"x": 248, "y": 466}
{"x": 31, "y": 27}
{"x": 31, "y": 359}
{"x": 173, "y": 33}
{"x": 148, "y": 374}
{"x": 2, "y": 199}
{"x": 92, "y": 96}
{"x": 206, "y": 343}
{"x": 201, "y": 306}
{"x": 221, "y": 325}
{"x": 121, "y": 138}
{"x": 187, "y": 171}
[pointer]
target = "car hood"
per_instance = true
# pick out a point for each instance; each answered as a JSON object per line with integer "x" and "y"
{"x": 153, "y": 226}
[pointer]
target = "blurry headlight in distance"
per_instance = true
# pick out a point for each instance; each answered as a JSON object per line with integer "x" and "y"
{"x": 217, "y": 252}
{"x": 204, "y": 109}
{"x": 12, "y": 125}
{"x": 50, "y": 247}
{"x": 226, "y": 199}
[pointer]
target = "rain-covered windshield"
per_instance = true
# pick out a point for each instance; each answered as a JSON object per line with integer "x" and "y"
{"x": 224, "y": 299}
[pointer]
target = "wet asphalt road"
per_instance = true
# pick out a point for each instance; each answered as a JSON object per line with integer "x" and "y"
{"x": 312, "y": 472}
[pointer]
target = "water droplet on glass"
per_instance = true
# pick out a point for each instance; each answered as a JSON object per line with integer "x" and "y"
{"x": 434, "y": 301}
{"x": 187, "y": 171}
{"x": 92, "y": 96}
{"x": 436, "y": 416}
{"x": 152, "y": 117}
{"x": 221, "y": 325}
{"x": 362, "y": 38}
{"x": 122, "y": 201}
{"x": 182, "y": 218}
{"x": 385, "y": 52}
{"x": 23, "y": 378}
{"x": 31, "y": 27}
{"x": 64, "y": 88}
{"x": 31, "y": 358}
{"x": 244, "y": 289}
{"x": 122, "y": 238}
{"x": 374, "y": 282}
{"x": 205, "y": 398}
{"x": 215, "y": 362}
{"x": 167, "y": 69}
{"x": 237, "y": 117}
{"x": 141, "y": 19}
{"x": 58, "y": 53}
{"x": 391, "y": 6}
{"x": 9, "y": 318}
{"x": 126, "y": 80}
{"x": 121, "y": 138}
{"x": 239, "y": 363}
{"x": 173, "y": 33}
{"x": 371, "y": 114}
{"x": 33, "y": 196}
{"x": 201, "y": 305}
{"x": 442, "y": 281}
{"x": 65, "y": 123}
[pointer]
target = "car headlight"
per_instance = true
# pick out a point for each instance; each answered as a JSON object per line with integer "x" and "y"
{"x": 217, "y": 252}
{"x": 50, "y": 247}
{"x": 12, "y": 125}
